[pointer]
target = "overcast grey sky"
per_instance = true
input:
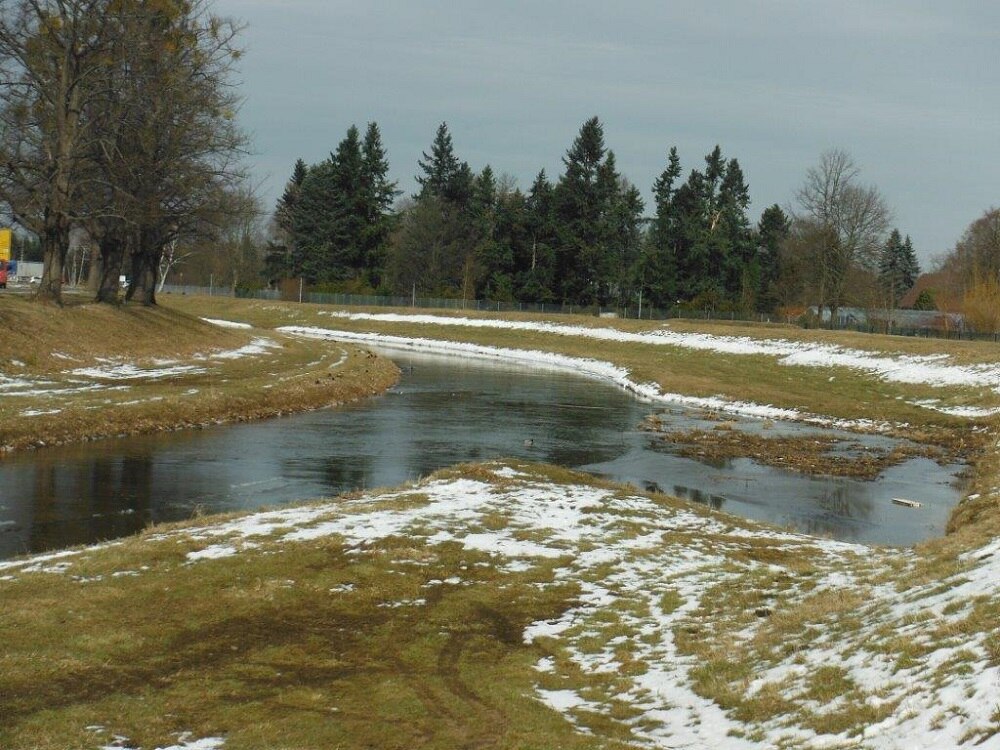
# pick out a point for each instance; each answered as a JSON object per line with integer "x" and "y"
{"x": 910, "y": 89}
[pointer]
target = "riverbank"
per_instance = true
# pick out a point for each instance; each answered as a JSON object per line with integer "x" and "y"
{"x": 503, "y": 605}
{"x": 85, "y": 372}
{"x": 940, "y": 394}
{"x": 516, "y": 605}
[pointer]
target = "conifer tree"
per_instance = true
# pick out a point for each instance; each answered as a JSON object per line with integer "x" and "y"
{"x": 624, "y": 241}
{"x": 658, "y": 270}
{"x": 581, "y": 200}
{"x": 713, "y": 243}
{"x": 350, "y": 212}
{"x": 772, "y": 230}
{"x": 897, "y": 266}
{"x": 313, "y": 221}
{"x": 483, "y": 200}
{"x": 339, "y": 214}
{"x": 536, "y": 276}
{"x": 444, "y": 176}
{"x": 504, "y": 233}
{"x": 285, "y": 209}
{"x": 741, "y": 268}
{"x": 379, "y": 194}
{"x": 911, "y": 266}
{"x": 282, "y": 261}
{"x": 691, "y": 246}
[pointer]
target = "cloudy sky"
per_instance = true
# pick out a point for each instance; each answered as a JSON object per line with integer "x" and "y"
{"x": 910, "y": 89}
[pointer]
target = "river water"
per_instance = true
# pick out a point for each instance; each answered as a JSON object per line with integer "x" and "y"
{"x": 445, "y": 410}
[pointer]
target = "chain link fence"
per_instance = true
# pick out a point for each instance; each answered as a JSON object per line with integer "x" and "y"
{"x": 904, "y": 322}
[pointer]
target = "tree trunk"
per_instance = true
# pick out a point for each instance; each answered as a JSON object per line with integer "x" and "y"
{"x": 96, "y": 270}
{"x": 55, "y": 244}
{"x": 145, "y": 264}
{"x": 112, "y": 258}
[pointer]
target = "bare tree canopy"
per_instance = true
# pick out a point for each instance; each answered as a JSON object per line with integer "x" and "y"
{"x": 51, "y": 51}
{"x": 977, "y": 254}
{"x": 119, "y": 116}
{"x": 849, "y": 221}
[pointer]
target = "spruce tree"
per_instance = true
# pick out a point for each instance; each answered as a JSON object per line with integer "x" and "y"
{"x": 505, "y": 235}
{"x": 581, "y": 198}
{"x": 444, "y": 176}
{"x": 285, "y": 210}
{"x": 379, "y": 195}
{"x": 350, "y": 213}
{"x": 444, "y": 215}
{"x": 625, "y": 241}
{"x": 714, "y": 249}
{"x": 897, "y": 266}
{"x": 772, "y": 231}
{"x": 911, "y": 267}
{"x": 741, "y": 268}
{"x": 691, "y": 243}
{"x": 312, "y": 222}
{"x": 483, "y": 199}
{"x": 333, "y": 221}
{"x": 280, "y": 261}
{"x": 658, "y": 271}
{"x": 535, "y": 280}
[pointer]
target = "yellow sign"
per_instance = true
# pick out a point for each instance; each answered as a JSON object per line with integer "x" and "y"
{"x": 4, "y": 244}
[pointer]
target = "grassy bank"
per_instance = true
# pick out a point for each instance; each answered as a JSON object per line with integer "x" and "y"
{"x": 521, "y": 606}
{"x": 834, "y": 392}
{"x": 497, "y": 605}
{"x": 923, "y": 412}
{"x": 90, "y": 371}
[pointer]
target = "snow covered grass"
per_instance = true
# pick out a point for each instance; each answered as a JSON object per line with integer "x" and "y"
{"x": 929, "y": 390}
{"x": 933, "y": 370}
{"x": 94, "y": 371}
{"x": 507, "y": 605}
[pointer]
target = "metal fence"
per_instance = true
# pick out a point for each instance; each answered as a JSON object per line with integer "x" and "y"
{"x": 482, "y": 305}
{"x": 902, "y": 327}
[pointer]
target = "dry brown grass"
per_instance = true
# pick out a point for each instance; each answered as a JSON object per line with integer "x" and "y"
{"x": 45, "y": 343}
{"x": 760, "y": 379}
{"x": 288, "y": 645}
{"x": 808, "y": 455}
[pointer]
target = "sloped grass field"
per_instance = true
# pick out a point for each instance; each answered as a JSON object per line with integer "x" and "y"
{"x": 909, "y": 409}
{"x": 89, "y": 371}
{"x": 498, "y": 605}
{"x": 523, "y": 606}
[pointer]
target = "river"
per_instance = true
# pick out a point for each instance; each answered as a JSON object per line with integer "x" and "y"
{"x": 445, "y": 410}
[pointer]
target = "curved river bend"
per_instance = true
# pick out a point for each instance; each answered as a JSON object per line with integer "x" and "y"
{"x": 445, "y": 410}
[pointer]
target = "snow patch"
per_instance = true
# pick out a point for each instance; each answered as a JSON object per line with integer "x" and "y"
{"x": 128, "y": 371}
{"x": 597, "y": 369}
{"x": 929, "y": 370}
{"x": 227, "y": 323}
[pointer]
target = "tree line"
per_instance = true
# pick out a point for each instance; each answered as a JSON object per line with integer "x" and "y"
{"x": 118, "y": 123}
{"x": 584, "y": 238}
{"x": 118, "y": 117}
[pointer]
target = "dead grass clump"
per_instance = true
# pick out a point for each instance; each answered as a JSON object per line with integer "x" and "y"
{"x": 815, "y": 454}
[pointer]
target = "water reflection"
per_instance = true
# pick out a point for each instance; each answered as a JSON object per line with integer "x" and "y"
{"x": 444, "y": 411}
{"x": 715, "y": 502}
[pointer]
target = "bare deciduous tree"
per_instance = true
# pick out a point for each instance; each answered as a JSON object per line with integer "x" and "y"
{"x": 977, "y": 254}
{"x": 851, "y": 220}
{"x": 51, "y": 53}
{"x": 118, "y": 116}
